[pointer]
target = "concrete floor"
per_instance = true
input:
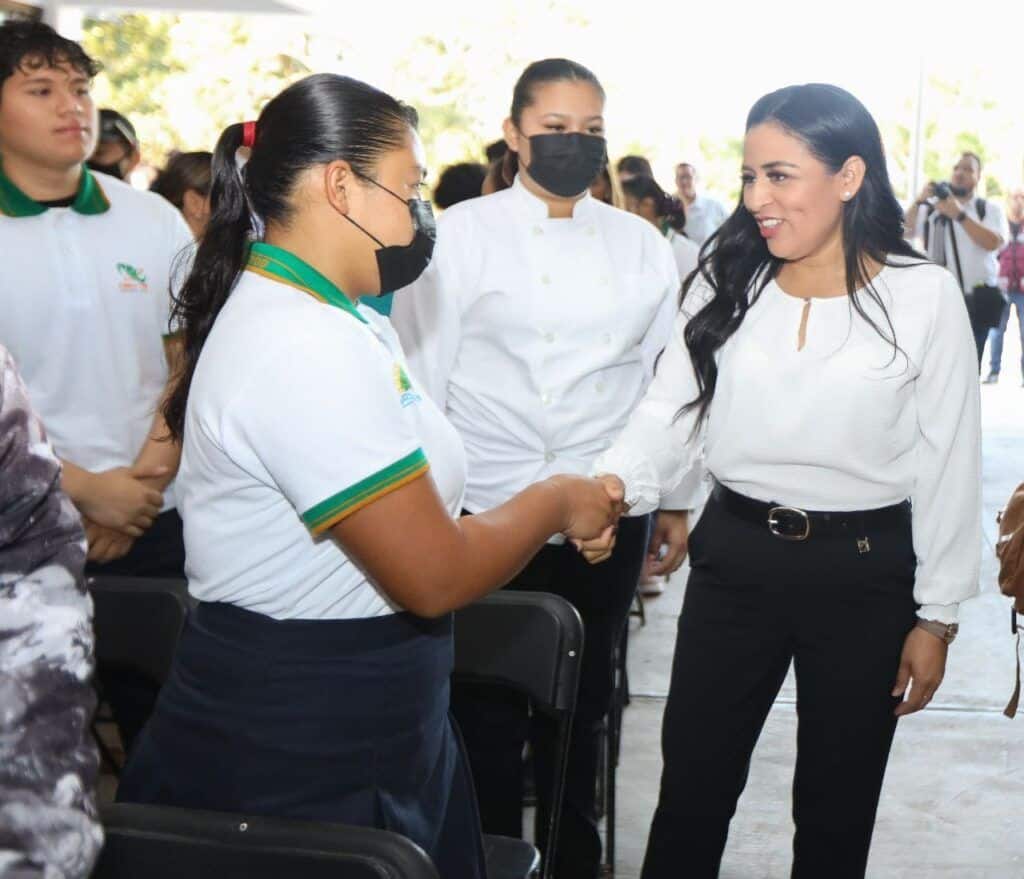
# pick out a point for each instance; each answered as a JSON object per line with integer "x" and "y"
{"x": 953, "y": 803}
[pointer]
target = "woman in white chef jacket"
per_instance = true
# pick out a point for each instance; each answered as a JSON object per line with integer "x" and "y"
{"x": 829, "y": 373}
{"x": 536, "y": 329}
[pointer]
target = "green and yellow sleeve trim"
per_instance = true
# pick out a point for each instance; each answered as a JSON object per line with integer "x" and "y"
{"x": 330, "y": 512}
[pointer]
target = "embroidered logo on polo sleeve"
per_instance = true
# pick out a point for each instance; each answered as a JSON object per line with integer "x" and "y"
{"x": 404, "y": 387}
{"x": 133, "y": 280}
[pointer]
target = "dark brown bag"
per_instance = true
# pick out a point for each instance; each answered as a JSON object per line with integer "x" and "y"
{"x": 1010, "y": 552}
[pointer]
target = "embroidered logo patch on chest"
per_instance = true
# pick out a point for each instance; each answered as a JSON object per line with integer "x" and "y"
{"x": 404, "y": 387}
{"x": 133, "y": 279}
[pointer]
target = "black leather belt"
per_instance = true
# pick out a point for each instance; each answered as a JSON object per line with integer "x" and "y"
{"x": 791, "y": 523}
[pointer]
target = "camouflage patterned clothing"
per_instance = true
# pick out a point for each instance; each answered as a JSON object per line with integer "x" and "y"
{"x": 48, "y": 761}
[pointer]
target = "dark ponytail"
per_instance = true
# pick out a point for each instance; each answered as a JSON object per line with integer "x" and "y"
{"x": 314, "y": 121}
{"x": 736, "y": 263}
{"x": 668, "y": 208}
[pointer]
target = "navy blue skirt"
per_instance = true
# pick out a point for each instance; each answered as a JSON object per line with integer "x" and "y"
{"x": 332, "y": 720}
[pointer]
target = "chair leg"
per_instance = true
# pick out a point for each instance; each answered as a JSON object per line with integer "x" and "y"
{"x": 105, "y": 752}
{"x": 637, "y": 609}
{"x": 613, "y": 743}
{"x": 558, "y": 794}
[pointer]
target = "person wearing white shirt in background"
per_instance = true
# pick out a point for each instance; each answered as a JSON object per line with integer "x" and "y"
{"x": 828, "y": 372}
{"x": 962, "y": 232}
{"x": 85, "y": 299}
{"x": 645, "y": 198}
{"x": 536, "y": 328}
{"x": 704, "y": 214}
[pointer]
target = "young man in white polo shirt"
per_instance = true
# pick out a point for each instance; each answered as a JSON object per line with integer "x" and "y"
{"x": 84, "y": 304}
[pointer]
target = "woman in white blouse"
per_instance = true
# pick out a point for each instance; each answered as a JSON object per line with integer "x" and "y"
{"x": 828, "y": 372}
{"x": 536, "y": 328}
{"x": 645, "y": 198}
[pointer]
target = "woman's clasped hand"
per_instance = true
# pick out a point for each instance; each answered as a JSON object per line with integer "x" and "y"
{"x": 590, "y": 498}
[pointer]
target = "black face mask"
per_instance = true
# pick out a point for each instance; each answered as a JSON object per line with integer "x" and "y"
{"x": 566, "y": 164}
{"x": 400, "y": 265}
{"x": 113, "y": 170}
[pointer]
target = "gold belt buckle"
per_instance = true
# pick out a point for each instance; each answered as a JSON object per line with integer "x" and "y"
{"x": 775, "y": 523}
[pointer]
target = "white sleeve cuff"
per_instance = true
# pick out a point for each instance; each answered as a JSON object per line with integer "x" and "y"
{"x": 643, "y": 490}
{"x": 943, "y": 613}
{"x": 688, "y": 495}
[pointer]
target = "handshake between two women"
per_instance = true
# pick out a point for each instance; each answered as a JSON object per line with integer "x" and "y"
{"x": 595, "y": 507}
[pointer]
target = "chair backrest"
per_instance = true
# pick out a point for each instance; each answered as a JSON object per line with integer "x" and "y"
{"x": 160, "y": 842}
{"x": 532, "y": 641}
{"x": 137, "y": 622}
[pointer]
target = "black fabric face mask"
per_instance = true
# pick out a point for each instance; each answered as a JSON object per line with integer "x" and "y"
{"x": 113, "y": 170}
{"x": 400, "y": 265}
{"x": 566, "y": 164}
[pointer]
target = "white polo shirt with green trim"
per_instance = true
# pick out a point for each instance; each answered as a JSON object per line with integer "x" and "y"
{"x": 301, "y": 412}
{"x": 84, "y": 306}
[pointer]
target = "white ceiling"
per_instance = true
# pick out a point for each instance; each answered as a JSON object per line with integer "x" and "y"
{"x": 277, "y": 7}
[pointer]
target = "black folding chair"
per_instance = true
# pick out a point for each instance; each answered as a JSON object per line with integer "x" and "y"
{"x": 159, "y": 842}
{"x": 532, "y": 642}
{"x": 137, "y": 622}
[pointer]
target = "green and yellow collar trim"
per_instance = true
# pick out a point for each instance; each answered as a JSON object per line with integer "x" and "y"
{"x": 286, "y": 268}
{"x": 90, "y": 199}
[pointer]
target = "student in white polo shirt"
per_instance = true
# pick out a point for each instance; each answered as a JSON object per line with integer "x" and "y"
{"x": 84, "y": 306}
{"x": 319, "y": 488}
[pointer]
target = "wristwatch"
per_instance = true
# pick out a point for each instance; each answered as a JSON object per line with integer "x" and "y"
{"x": 946, "y": 631}
{"x": 961, "y": 216}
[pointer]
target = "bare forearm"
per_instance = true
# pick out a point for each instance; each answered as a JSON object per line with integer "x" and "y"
{"x": 981, "y": 235}
{"x": 159, "y": 450}
{"x": 74, "y": 480}
{"x": 498, "y": 544}
{"x": 441, "y": 566}
{"x": 910, "y": 221}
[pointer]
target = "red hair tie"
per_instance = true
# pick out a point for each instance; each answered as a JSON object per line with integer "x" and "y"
{"x": 248, "y": 134}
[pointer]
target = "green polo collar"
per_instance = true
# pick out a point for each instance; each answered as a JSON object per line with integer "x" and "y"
{"x": 280, "y": 265}
{"x": 90, "y": 199}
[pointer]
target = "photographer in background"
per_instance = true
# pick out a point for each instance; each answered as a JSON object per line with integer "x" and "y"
{"x": 964, "y": 233}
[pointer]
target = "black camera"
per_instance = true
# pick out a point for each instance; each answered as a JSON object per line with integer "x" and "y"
{"x": 942, "y": 190}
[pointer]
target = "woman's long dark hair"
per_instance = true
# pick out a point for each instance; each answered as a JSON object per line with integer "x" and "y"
{"x": 314, "y": 121}
{"x": 667, "y": 207}
{"x": 736, "y": 262}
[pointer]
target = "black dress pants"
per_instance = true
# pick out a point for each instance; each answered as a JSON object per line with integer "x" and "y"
{"x": 754, "y": 604}
{"x": 159, "y": 552}
{"x": 495, "y": 722}
{"x": 980, "y": 331}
